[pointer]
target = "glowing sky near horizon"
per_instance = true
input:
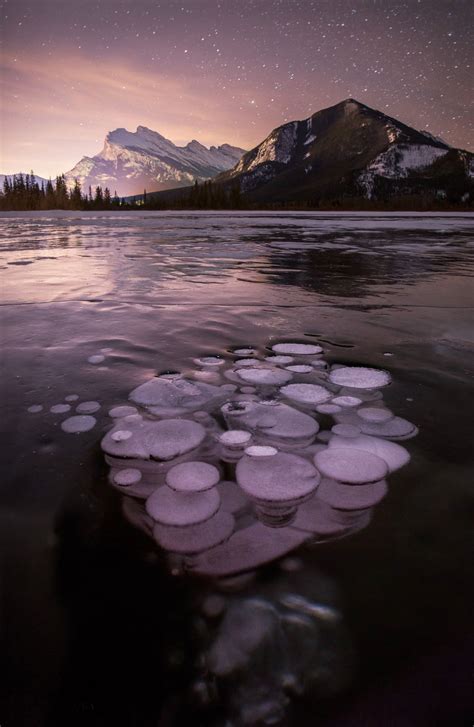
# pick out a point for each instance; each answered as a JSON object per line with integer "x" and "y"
{"x": 223, "y": 71}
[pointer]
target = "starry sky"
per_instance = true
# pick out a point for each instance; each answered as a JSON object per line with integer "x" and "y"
{"x": 223, "y": 70}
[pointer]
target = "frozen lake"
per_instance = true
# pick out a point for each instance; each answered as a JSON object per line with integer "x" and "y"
{"x": 89, "y": 610}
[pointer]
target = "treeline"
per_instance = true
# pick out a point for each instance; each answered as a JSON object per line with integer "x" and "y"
{"x": 204, "y": 196}
{"x": 23, "y": 192}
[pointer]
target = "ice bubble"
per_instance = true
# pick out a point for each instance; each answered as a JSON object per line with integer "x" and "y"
{"x": 375, "y": 415}
{"x": 230, "y": 388}
{"x": 249, "y": 548}
{"x": 106, "y": 350}
{"x": 291, "y": 565}
{"x": 395, "y": 428}
{"x": 121, "y": 435}
{"x": 351, "y": 466}
{"x": 248, "y": 389}
{"x": 319, "y": 364}
{"x": 209, "y": 361}
{"x": 96, "y": 359}
{"x": 348, "y": 497}
{"x": 195, "y": 538}
{"x": 127, "y": 477}
{"x": 60, "y": 408}
{"x": 300, "y": 368}
{"x": 237, "y": 438}
{"x": 192, "y": 477}
{"x": 347, "y": 401}
{"x": 247, "y": 362}
{"x": 71, "y": 397}
{"x": 35, "y": 408}
{"x": 88, "y": 407}
{"x": 358, "y": 377}
{"x": 324, "y": 436}
{"x": 346, "y": 430}
{"x": 174, "y": 396}
{"x": 122, "y": 411}
{"x": 394, "y": 454}
{"x": 328, "y": 408}
{"x": 168, "y": 507}
{"x": 279, "y": 360}
{"x": 387, "y": 353}
{"x": 298, "y": 349}
{"x": 157, "y": 440}
{"x": 308, "y": 394}
{"x": 277, "y": 482}
{"x": 265, "y": 376}
{"x": 244, "y": 351}
{"x": 76, "y": 424}
{"x": 317, "y": 518}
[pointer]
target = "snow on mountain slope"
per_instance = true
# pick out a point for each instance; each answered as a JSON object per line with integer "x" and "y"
{"x": 132, "y": 161}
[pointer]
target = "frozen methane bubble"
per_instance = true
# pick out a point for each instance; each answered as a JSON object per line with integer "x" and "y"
{"x": 117, "y": 412}
{"x": 276, "y": 482}
{"x": 279, "y": 360}
{"x": 300, "y": 368}
{"x": 192, "y": 477}
{"x": 244, "y": 351}
{"x": 359, "y": 377}
{"x": 347, "y": 401}
{"x": 35, "y": 408}
{"x": 232, "y": 498}
{"x": 375, "y": 415}
{"x": 346, "y": 430}
{"x": 273, "y": 422}
{"x": 127, "y": 477}
{"x": 195, "y": 538}
{"x": 265, "y": 376}
{"x": 121, "y": 435}
{"x": 348, "y": 497}
{"x": 394, "y": 454}
{"x": 350, "y": 465}
{"x": 60, "y": 408}
{"x": 395, "y": 428}
{"x": 157, "y": 440}
{"x": 174, "y": 396}
{"x": 209, "y": 361}
{"x": 77, "y": 424}
{"x": 307, "y": 394}
{"x": 168, "y": 507}
{"x": 297, "y": 349}
{"x": 71, "y": 397}
{"x": 96, "y": 359}
{"x": 328, "y": 408}
{"x": 235, "y": 438}
{"x": 88, "y": 407}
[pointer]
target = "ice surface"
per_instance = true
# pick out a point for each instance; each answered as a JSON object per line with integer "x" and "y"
{"x": 358, "y": 377}
{"x": 297, "y": 349}
{"x": 309, "y": 394}
{"x": 88, "y": 407}
{"x": 350, "y": 465}
{"x": 168, "y": 507}
{"x": 76, "y": 424}
{"x": 192, "y": 477}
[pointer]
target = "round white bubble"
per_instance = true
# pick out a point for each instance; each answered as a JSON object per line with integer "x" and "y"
{"x": 35, "y": 408}
{"x": 60, "y": 408}
{"x": 88, "y": 407}
{"x": 297, "y": 349}
{"x": 77, "y": 424}
{"x": 359, "y": 377}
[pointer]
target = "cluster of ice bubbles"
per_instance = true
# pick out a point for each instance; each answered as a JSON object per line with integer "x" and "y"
{"x": 240, "y": 461}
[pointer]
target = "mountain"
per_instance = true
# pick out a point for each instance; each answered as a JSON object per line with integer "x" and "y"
{"x": 133, "y": 161}
{"x": 350, "y": 150}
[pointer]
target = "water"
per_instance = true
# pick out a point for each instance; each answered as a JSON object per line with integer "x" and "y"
{"x": 96, "y": 630}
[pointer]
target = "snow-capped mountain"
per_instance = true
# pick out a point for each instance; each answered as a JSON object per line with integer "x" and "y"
{"x": 133, "y": 161}
{"x": 350, "y": 150}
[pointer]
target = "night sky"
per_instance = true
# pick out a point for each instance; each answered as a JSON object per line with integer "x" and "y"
{"x": 223, "y": 71}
